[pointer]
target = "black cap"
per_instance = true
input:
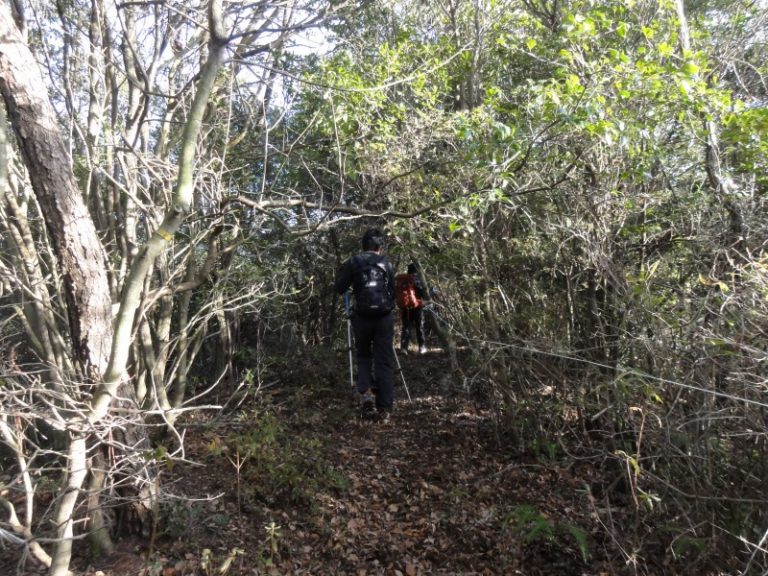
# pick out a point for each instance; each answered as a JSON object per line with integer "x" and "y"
{"x": 373, "y": 239}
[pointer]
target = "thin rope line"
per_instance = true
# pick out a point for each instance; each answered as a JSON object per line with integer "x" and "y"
{"x": 627, "y": 370}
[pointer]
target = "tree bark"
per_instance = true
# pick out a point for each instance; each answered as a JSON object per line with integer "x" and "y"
{"x": 80, "y": 254}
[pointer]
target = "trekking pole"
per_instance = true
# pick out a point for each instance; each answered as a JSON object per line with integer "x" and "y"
{"x": 400, "y": 369}
{"x": 349, "y": 338}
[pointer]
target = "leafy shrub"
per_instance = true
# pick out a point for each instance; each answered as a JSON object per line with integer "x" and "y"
{"x": 279, "y": 466}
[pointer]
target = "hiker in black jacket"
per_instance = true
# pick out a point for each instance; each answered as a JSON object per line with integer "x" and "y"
{"x": 373, "y": 281}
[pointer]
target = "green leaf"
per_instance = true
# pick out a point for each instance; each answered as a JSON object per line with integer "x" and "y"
{"x": 572, "y": 84}
{"x": 724, "y": 288}
{"x": 665, "y": 50}
{"x": 581, "y": 540}
{"x": 540, "y": 530}
{"x": 503, "y": 131}
{"x": 588, "y": 27}
{"x": 531, "y": 43}
{"x": 690, "y": 68}
{"x": 554, "y": 96}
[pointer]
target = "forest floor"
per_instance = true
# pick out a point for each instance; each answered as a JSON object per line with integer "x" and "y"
{"x": 296, "y": 482}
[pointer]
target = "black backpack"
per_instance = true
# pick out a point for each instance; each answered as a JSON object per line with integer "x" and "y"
{"x": 373, "y": 293}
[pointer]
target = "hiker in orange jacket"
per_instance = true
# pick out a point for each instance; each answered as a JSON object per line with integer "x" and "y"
{"x": 410, "y": 300}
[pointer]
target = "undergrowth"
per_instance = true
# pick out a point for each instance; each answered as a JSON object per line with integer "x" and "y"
{"x": 277, "y": 465}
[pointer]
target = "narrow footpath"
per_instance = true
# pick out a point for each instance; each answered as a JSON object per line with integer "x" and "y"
{"x": 294, "y": 482}
{"x": 435, "y": 490}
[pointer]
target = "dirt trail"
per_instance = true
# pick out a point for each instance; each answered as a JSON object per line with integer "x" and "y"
{"x": 299, "y": 484}
{"x": 431, "y": 491}
{"x": 434, "y": 492}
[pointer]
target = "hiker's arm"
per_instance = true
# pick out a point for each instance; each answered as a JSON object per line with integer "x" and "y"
{"x": 344, "y": 277}
{"x": 420, "y": 292}
{"x": 391, "y": 279}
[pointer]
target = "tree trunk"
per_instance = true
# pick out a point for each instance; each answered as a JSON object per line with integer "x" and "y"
{"x": 82, "y": 262}
{"x": 81, "y": 256}
{"x": 99, "y": 382}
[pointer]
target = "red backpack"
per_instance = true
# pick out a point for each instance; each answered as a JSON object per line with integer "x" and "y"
{"x": 405, "y": 292}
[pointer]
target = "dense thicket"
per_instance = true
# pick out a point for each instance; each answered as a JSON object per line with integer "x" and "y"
{"x": 591, "y": 180}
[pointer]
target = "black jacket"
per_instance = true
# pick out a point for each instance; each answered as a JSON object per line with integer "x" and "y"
{"x": 349, "y": 274}
{"x": 419, "y": 289}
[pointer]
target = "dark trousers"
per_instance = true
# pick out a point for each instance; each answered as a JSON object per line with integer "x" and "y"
{"x": 412, "y": 317}
{"x": 375, "y": 357}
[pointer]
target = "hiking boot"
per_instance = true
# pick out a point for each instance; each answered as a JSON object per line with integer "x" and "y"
{"x": 384, "y": 416}
{"x": 422, "y": 349}
{"x": 367, "y": 401}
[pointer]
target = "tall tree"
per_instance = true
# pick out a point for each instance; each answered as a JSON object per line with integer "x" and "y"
{"x": 78, "y": 249}
{"x": 101, "y": 356}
